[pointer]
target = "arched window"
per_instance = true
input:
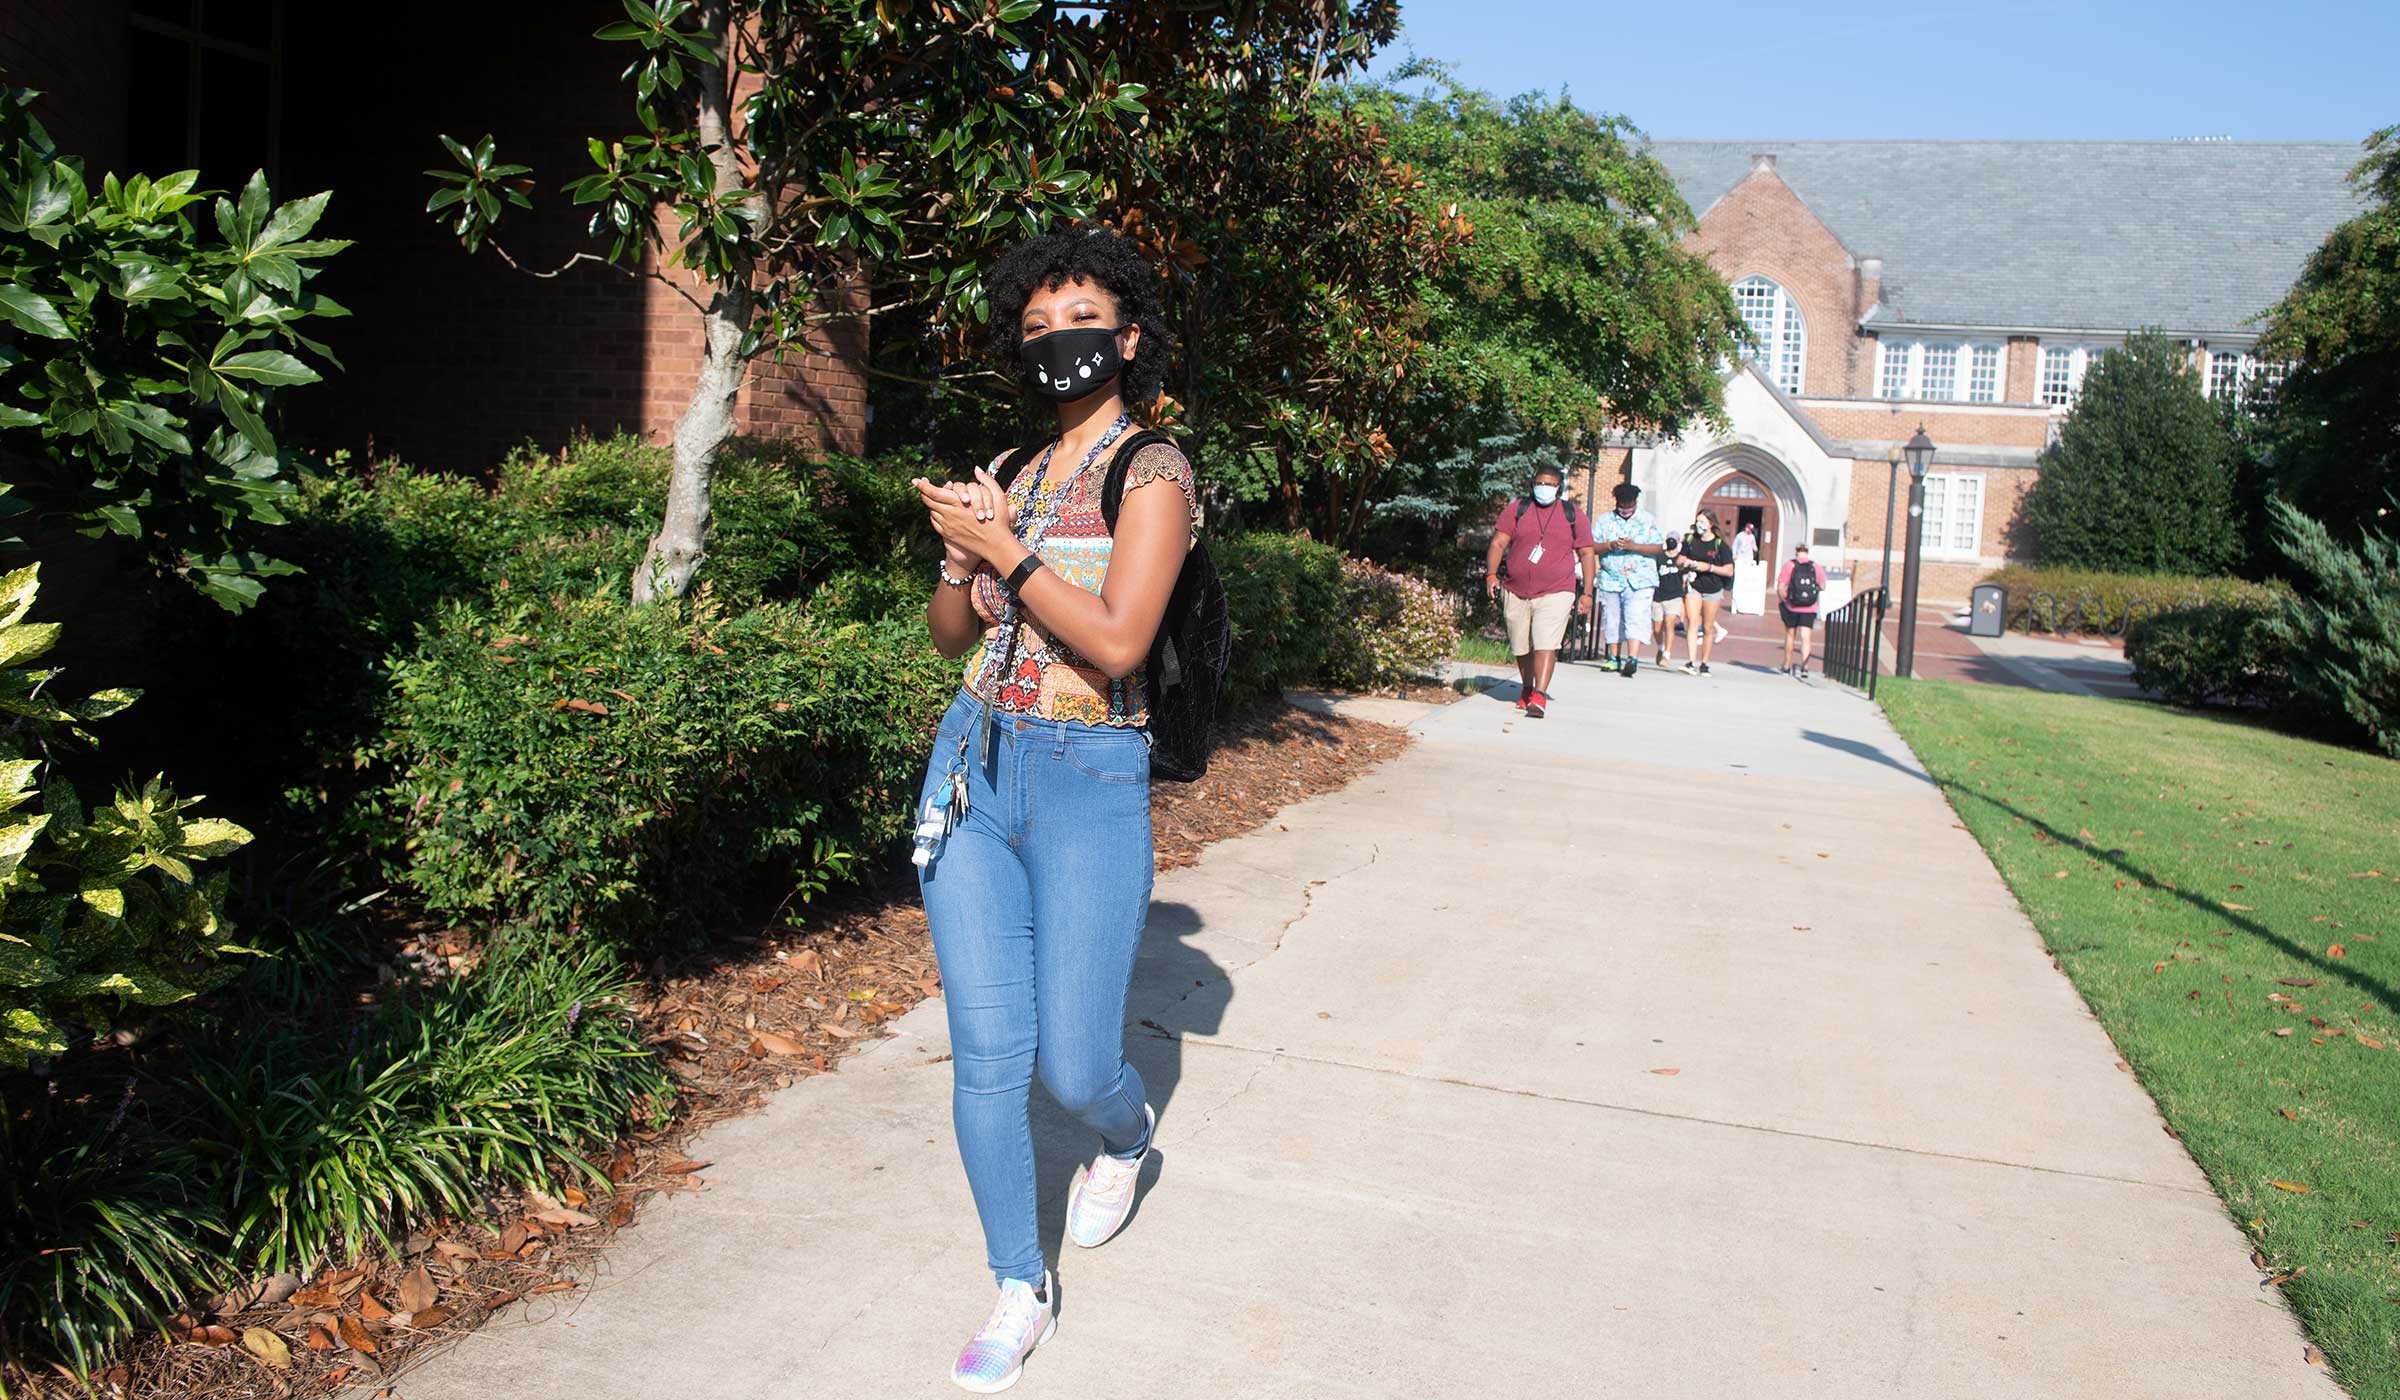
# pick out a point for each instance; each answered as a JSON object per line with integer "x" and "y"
{"x": 1782, "y": 336}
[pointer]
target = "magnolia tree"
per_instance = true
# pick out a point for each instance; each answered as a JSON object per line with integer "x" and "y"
{"x": 788, "y": 151}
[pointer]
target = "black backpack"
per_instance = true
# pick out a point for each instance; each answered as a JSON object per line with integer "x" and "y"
{"x": 1802, "y": 591}
{"x": 1188, "y": 657}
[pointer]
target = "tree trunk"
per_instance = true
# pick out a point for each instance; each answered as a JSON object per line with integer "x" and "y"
{"x": 1288, "y": 489}
{"x": 700, "y": 434}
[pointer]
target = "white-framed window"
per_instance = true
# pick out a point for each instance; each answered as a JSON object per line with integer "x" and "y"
{"x": 2239, "y": 377}
{"x": 1983, "y": 375}
{"x": 2063, "y": 369}
{"x": 1953, "y": 514}
{"x": 1899, "y": 367}
{"x": 1775, "y": 320}
{"x": 1946, "y": 370}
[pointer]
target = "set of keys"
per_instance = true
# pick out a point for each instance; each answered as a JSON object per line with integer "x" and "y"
{"x": 944, "y": 810}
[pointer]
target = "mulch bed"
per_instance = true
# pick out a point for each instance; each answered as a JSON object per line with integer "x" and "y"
{"x": 750, "y": 1017}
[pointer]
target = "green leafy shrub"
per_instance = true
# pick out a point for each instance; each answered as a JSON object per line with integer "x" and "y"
{"x": 2095, "y": 600}
{"x": 631, "y": 771}
{"x": 2343, "y": 630}
{"x": 1284, "y": 593}
{"x": 96, "y": 911}
{"x": 1390, "y": 627}
{"x": 136, "y": 391}
{"x": 2142, "y": 476}
{"x": 896, "y": 591}
{"x": 2213, "y": 654}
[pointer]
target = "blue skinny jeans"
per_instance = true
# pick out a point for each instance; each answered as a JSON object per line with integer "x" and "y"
{"x": 1037, "y": 902}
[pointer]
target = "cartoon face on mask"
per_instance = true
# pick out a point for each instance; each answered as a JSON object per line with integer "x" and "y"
{"x": 1544, "y": 494}
{"x": 1065, "y": 365}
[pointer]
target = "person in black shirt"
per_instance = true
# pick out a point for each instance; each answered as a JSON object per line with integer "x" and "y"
{"x": 1708, "y": 562}
{"x": 1666, "y": 602}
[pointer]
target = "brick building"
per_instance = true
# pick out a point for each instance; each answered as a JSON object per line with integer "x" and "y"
{"x": 1965, "y": 286}
{"x": 449, "y": 360}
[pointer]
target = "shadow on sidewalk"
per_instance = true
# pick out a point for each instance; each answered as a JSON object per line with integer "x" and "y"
{"x": 1169, "y": 962}
{"x": 1862, "y": 749}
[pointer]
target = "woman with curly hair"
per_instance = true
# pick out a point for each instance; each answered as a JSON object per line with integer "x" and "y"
{"x": 1035, "y": 848}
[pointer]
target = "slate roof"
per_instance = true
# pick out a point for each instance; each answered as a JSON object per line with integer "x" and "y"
{"x": 2193, "y": 237}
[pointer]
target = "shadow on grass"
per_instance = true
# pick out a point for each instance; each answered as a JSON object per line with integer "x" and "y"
{"x": 2329, "y": 967}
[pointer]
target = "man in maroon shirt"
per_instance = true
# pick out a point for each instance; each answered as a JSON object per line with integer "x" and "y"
{"x": 1540, "y": 537}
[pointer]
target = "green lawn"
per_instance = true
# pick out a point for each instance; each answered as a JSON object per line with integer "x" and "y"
{"x": 2227, "y": 899}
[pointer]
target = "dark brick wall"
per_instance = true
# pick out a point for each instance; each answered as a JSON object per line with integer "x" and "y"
{"x": 74, "y": 53}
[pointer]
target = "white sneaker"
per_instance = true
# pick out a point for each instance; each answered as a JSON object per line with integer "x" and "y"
{"x": 1020, "y": 1321}
{"x": 1720, "y": 632}
{"x": 1103, "y": 1192}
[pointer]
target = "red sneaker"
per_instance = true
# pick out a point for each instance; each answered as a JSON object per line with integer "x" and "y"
{"x": 1536, "y": 704}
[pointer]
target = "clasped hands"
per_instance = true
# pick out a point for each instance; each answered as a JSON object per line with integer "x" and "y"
{"x": 975, "y": 519}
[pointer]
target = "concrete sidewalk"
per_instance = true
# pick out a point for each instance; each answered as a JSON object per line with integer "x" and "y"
{"x": 1416, "y": 1139}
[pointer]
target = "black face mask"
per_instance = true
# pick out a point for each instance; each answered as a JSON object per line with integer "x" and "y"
{"x": 1066, "y": 365}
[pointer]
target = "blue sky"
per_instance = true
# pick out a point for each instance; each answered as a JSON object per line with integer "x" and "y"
{"x": 2050, "y": 69}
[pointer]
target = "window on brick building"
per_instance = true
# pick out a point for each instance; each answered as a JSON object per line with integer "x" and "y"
{"x": 205, "y": 88}
{"x": 1898, "y": 370}
{"x": 1953, "y": 514}
{"x": 2239, "y": 377}
{"x": 1932, "y": 370}
{"x": 1939, "y": 378}
{"x": 2063, "y": 369}
{"x": 1774, "y": 319}
{"x": 1983, "y": 375}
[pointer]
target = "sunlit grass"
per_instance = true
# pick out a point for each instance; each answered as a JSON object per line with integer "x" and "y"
{"x": 2227, "y": 900}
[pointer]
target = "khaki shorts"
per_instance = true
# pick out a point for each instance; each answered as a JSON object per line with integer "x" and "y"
{"x": 1536, "y": 624}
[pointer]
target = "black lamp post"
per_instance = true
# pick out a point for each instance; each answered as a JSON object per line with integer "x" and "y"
{"x": 1919, "y": 451}
{"x": 1891, "y": 502}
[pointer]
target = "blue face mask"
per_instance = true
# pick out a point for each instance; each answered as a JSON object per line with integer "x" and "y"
{"x": 1544, "y": 495}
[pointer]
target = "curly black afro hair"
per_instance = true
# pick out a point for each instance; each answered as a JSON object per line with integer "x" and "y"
{"x": 1099, "y": 255}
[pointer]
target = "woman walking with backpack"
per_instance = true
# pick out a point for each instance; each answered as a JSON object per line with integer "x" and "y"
{"x": 1708, "y": 559}
{"x": 1034, "y": 845}
{"x": 1798, "y": 588}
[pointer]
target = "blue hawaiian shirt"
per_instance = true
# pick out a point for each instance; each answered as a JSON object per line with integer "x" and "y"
{"x": 1620, "y": 570}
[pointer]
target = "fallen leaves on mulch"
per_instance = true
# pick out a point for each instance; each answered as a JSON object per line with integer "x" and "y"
{"x": 749, "y": 1017}
{"x": 1267, "y": 758}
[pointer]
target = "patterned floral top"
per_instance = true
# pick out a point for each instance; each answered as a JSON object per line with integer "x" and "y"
{"x": 1050, "y": 681}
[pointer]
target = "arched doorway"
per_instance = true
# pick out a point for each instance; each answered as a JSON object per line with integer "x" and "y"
{"x": 1738, "y": 499}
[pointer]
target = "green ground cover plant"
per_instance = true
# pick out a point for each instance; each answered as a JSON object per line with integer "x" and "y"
{"x": 2223, "y": 897}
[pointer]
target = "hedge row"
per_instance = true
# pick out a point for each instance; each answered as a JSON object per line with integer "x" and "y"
{"x": 2089, "y": 600}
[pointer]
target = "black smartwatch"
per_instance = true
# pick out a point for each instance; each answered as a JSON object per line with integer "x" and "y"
{"x": 1017, "y": 576}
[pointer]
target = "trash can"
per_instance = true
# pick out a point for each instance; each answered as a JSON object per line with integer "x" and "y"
{"x": 1989, "y": 605}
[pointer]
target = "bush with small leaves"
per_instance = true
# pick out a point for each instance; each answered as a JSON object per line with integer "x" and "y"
{"x": 1391, "y": 628}
{"x": 1285, "y": 595}
{"x": 571, "y": 764}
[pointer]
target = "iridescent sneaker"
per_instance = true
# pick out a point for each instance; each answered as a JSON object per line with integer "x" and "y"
{"x": 1103, "y": 1192}
{"x": 1020, "y": 1321}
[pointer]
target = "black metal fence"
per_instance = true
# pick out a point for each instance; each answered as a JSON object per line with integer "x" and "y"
{"x": 1854, "y": 640}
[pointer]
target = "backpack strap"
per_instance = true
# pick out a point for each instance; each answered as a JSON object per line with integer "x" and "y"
{"x": 1112, "y": 493}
